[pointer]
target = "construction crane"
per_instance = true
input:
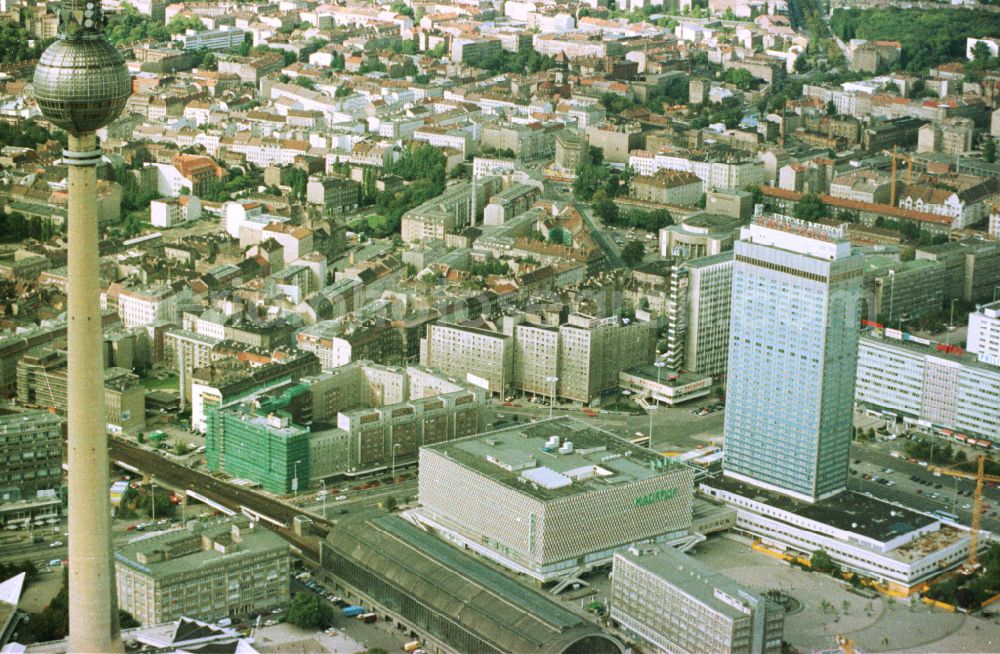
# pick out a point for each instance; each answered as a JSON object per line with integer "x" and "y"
{"x": 894, "y": 155}
{"x": 977, "y": 501}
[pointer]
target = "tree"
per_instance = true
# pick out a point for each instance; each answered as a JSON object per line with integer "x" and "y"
{"x": 981, "y": 51}
{"x": 401, "y": 7}
{"x": 390, "y": 504}
{"x": 180, "y": 24}
{"x": 164, "y": 508}
{"x": 632, "y": 253}
{"x": 558, "y": 236}
{"x": 831, "y": 109}
{"x": 810, "y": 207}
{"x": 308, "y": 611}
{"x": 822, "y": 562}
{"x": 740, "y": 78}
{"x": 607, "y": 210}
{"x": 989, "y": 150}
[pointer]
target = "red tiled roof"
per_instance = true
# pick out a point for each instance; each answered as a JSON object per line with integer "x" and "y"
{"x": 841, "y": 203}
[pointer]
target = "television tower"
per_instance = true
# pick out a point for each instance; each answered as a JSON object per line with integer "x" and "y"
{"x": 81, "y": 84}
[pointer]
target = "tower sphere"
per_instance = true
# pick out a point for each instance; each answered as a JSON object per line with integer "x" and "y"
{"x": 81, "y": 85}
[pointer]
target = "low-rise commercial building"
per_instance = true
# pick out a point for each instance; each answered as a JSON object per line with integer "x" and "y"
{"x": 895, "y": 547}
{"x": 679, "y": 604}
{"x": 665, "y": 386}
{"x": 553, "y": 499}
{"x": 700, "y": 235}
{"x": 207, "y": 570}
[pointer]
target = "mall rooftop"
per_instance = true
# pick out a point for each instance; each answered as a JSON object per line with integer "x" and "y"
{"x": 556, "y": 458}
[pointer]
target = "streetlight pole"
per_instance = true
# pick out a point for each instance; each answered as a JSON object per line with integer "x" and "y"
{"x": 395, "y": 446}
{"x": 323, "y": 481}
{"x": 951, "y": 321}
{"x": 295, "y": 481}
{"x": 552, "y": 379}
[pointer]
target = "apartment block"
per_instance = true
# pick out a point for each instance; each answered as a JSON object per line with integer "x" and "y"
{"x": 479, "y": 356}
{"x": 592, "y": 351}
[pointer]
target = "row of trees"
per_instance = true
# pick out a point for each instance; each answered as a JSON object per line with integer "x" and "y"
{"x": 17, "y": 44}
{"x": 15, "y": 227}
{"x": 651, "y": 221}
{"x": 28, "y": 134}
{"x": 929, "y": 36}
{"x": 524, "y": 61}
{"x": 970, "y": 593}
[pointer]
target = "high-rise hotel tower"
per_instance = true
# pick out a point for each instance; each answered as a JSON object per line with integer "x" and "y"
{"x": 793, "y": 349}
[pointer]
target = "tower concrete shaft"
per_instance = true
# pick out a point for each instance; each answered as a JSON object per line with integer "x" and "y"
{"x": 93, "y": 610}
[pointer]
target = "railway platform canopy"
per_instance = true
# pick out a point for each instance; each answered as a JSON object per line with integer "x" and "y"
{"x": 463, "y": 604}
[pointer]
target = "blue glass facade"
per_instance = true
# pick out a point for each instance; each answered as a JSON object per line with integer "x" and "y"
{"x": 792, "y": 358}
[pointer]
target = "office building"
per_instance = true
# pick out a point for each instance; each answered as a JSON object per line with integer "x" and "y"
{"x": 208, "y": 570}
{"x": 984, "y": 333}
{"x": 902, "y": 290}
{"x": 31, "y": 451}
{"x": 230, "y": 379}
{"x": 43, "y": 381}
{"x": 185, "y": 351}
{"x": 679, "y": 604}
{"x": 552, "y": 499}
{"x": 794, "y": 340}
{"x": 225, "y": 38}
{"x": 368, "y": 417}
{"x": 929, "y": 384}
{"x": 972, "y": 268}
{"x": 250, "y": 441}
{"x": 709, "y": 292}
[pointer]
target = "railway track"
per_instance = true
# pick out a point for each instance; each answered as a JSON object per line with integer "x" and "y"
{"x": 233, "y": 498}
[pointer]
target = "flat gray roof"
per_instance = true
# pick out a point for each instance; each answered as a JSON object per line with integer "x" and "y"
{"x": 693, "y": 578}
{"x": 599, "y": 461}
